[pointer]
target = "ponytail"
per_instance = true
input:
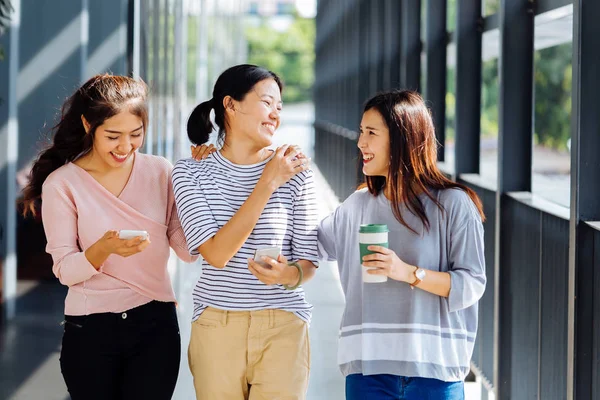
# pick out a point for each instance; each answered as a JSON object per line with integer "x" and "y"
{"x": 199, "y": 125}
{"x": 70, "y": 141}
{"x": 234, "y": 82}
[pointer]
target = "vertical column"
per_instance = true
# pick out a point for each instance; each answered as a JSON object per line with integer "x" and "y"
{"x": 584, "y": 308}
{"x": 202, "y": 89}
{"x": 391, "y": 70}
{"x": 468, "y": 87}
{"x": 436, "y": 53}
{"x": 9, "y": 130}
{"x": 514, "y": 165}
{"x": 110, "y": 36}
{"x": 410, "y": 70}
{"x": 179, "y": 78}
{"x": 134, "y": 30}
{"x": 165, "y": 127}
{"x": 154, "y": 132}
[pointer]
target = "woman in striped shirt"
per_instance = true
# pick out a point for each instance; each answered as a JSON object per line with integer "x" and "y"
{"x": 250, "y": 324}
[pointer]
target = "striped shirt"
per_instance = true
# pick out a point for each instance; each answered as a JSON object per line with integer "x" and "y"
{"x": 208, "y": 193}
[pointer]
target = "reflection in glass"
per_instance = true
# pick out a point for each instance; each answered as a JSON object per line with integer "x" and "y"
{"x": 552, "y": 129}
{"x": 489, "y": 120}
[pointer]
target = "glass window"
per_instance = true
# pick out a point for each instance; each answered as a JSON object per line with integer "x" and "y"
{"x": 490, "y": 7}
{"x": 451, "y": 15}
{"x": 552, "y": 123}
{"x": 450, "y": 108}
{"x": 488, "y": 162}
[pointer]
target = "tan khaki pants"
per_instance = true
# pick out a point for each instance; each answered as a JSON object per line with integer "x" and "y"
{"x": 255, "y": 355}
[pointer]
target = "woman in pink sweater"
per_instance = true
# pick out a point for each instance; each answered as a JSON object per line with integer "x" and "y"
{"x": 121, "y": 336}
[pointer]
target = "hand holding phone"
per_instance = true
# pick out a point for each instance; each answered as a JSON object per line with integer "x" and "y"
{"x": 272, "y": 252}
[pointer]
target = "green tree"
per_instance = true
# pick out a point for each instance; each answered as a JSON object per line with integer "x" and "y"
{"x": 553, "y": 95}
{"x": 290, "y": 54}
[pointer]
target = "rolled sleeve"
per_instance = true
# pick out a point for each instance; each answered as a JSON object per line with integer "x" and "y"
{"x": 466, "y": 266}
{"x": 305, "y": 219}
{"x": 194, "y": 213}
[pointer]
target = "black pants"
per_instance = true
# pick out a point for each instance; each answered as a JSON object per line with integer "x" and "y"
{"x": 128, "y": 356}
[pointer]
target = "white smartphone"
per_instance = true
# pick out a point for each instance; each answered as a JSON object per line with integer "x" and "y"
{"x": 272, "y": 252}
{"x": 130, "y": 234}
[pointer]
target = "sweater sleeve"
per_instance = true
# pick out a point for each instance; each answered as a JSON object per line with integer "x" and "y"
{"x": 466, "y": 265}
{"x": 59, "y": 217}
{"x": 327, "y": 235}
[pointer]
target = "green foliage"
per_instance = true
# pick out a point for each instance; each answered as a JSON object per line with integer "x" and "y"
{"x": 491, "y": 7}
{"x": 489, "y": 98}
{"x": 290, "y": 54}
{"x": 451, "y": 15}
{"x": 552, "y": 118}
{"x": 553, "y": 70}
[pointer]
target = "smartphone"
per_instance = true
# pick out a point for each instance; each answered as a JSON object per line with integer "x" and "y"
{"x": 272, "y": 252}
{"x": 130, "y": 234}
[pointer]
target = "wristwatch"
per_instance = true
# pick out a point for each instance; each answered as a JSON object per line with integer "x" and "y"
{"x": 419, "y": 276}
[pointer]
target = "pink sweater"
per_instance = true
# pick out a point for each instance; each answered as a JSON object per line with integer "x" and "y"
{"x": 77, "y": 211}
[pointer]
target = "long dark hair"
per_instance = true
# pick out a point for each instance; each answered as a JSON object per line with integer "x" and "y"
{"x": 235, "y": 82}
{"x": 99, "y": 99}
{"x": 413, "y": 155}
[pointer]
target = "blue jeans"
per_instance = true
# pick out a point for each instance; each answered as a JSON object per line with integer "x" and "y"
{"x": 393, "y": 387}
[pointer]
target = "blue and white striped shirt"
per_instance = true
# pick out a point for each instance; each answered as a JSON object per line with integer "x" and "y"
{"x": 208, "y": 193}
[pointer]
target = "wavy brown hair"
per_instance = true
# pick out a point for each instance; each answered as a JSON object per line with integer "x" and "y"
{"x": 413, "y": 156}
{"x": 100, "y": 98}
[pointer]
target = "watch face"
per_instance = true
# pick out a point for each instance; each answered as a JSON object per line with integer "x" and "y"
{"x": 420, "y": 273}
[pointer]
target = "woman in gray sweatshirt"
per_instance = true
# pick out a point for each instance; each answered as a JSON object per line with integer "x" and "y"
{"x": 412, "y": 336}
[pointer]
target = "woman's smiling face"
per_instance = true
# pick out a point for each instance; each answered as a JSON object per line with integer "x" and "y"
{"x": 374, "y": 144}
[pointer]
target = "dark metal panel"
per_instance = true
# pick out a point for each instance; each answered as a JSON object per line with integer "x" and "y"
{"x": 468, "y": 87}
{"x": 520, "y": 287}
{"x": 511, "y": 374}
{"x": 363, "y": 43}
{"x": 483, "y": 357}
{"x": 436, "y": 52}
{"x": 582, "y": 374}
{"x": 486, "y": 304}
{"x": 515, "y": 97}
{"x": 106, "y": 19}
{"x": 49, "y": 82}
{"x": 553, "y": 307}
{"x": 391, "y": 71}
{"x": 542, "y": 6}
{"x": 9, "y": 71}
{"x": 584, "y": 304}
{"x": 491, "y": 22}
{"x": 594, "y": 337}
{"x": 410, "y": 70}
{"x": 376, "y": 45}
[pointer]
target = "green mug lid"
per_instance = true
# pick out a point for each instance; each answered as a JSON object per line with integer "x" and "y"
{"x": 373, "y": 228}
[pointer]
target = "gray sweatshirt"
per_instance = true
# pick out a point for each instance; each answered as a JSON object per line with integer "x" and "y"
{"x": 388, "y": 328}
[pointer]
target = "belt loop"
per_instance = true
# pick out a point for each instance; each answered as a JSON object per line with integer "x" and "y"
{"x": 224, "y": 318}
{"x": 271, "y": 319}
